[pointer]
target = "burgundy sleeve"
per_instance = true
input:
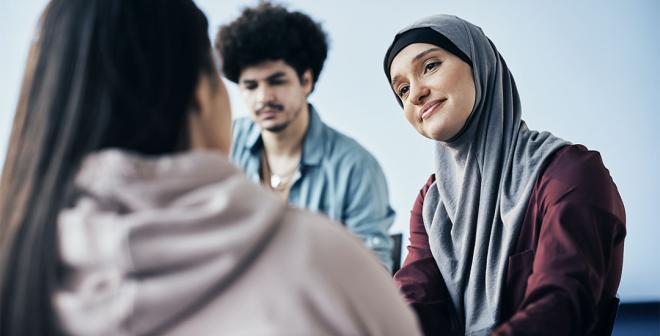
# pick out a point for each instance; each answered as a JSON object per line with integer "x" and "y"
{"x": 579, "y": 255}
{"x": 419, "y": 279}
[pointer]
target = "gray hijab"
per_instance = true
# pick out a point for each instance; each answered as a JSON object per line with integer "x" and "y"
{"x": 484, "y": 178}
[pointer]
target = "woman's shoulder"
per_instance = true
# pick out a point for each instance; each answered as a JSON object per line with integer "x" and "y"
{"x": 325, "y": 258}
{"x": 575, "y": 165}
{"x": 324, "y": 241}
{"x": 573, "y": 162}
{"x": 576, "y": 174}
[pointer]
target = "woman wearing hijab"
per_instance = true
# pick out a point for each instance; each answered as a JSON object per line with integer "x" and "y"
{"x": 120, "y": 213}
{"x": 517, "y": 232}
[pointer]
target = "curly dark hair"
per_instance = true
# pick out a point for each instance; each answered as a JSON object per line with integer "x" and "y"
{"x": 271, "y": 32}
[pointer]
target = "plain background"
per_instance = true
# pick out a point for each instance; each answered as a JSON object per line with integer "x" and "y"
{"x": 586, "y": 70}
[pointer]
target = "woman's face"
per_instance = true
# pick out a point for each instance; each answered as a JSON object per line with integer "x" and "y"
{"x": 209, "y": 124}
{"x": 436, "y": 87}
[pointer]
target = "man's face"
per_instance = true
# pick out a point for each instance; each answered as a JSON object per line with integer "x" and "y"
{"x": 274, "y": 93}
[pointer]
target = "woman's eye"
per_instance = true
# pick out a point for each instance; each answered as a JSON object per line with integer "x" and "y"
{"x": 430, "y": 66}
{"x": 402, "y": 90}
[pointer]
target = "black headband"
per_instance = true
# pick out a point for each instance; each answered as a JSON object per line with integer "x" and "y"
{"x": 419, "y": 35}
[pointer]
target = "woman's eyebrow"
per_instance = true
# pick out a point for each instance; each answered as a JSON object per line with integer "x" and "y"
{"x": 424, "y": 53}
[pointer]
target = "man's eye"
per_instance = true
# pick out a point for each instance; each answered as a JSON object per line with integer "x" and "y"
{"x": 277, "y": 82}
{"x": 403, "y": 90}
{"x": 250, "y": 86}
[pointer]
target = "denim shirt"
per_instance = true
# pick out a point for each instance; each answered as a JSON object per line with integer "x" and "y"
{"x": 336, "y": 177}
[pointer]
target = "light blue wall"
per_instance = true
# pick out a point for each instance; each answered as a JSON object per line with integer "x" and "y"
{"x": 586, "y": 70}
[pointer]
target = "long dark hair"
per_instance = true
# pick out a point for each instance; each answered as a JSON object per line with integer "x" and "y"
{"x": 101, "y": 73}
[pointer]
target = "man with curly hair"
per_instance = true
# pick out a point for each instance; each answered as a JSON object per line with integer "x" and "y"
{"x": 276, "y": 56}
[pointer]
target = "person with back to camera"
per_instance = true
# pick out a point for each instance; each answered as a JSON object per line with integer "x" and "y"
{"x": 276, "y": 56}
{"x": 517, "y": 232}
{"x": 120, "y": 213}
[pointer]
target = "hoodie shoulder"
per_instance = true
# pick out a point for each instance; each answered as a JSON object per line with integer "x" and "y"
{"x": 330, "y": 260}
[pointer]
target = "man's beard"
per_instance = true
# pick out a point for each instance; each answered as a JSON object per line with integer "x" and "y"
{"x": 278, "y": 128}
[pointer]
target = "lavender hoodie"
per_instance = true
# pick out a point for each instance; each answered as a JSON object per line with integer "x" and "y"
{"x": 186, "y": 245}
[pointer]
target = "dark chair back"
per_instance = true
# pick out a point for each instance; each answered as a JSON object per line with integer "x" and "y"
{"x": 611, "y": 316}
{"x": 606, "y": 318}
{"x": 396, "y": 251}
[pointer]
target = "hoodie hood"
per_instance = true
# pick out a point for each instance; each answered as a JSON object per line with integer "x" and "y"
{"x": 149, "y": 239}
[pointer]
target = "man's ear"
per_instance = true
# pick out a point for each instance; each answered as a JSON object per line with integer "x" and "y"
{"x": 308, "y": 81}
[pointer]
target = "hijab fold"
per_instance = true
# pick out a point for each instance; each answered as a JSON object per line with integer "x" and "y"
{"x": 484, "y": 178}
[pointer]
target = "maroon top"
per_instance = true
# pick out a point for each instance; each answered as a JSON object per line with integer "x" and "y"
{"x": 565, "y": 267}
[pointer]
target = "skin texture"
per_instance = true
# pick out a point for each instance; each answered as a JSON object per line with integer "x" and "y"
{"x": 436, "y": 87}
{"x": 209, "y": 121}
{"x": 274, "y": 94}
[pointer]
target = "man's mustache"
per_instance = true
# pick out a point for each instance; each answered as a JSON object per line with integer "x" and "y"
{"x": 270, "y": 106}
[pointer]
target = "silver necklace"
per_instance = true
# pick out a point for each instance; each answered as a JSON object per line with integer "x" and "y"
{"x": 278, "y": 181}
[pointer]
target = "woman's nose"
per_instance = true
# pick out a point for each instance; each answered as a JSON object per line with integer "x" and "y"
{"x": 418, "y": 93}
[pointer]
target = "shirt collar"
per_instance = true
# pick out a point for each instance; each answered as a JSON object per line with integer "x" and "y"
{"x": 253, "y": 141}
{"x": 313, "y": 141}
